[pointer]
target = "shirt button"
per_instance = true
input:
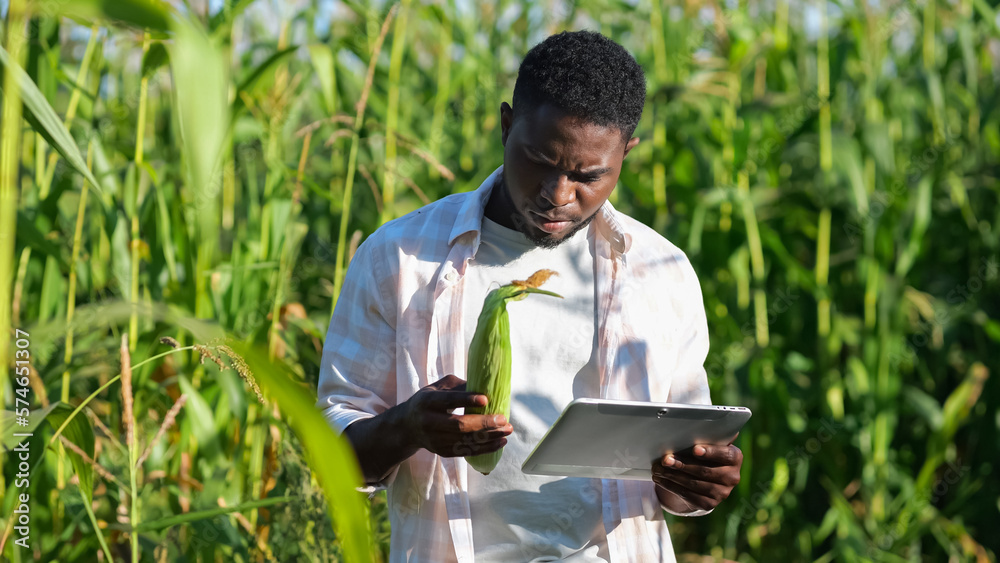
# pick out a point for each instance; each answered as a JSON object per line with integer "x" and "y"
{"x": 451, "y": 276}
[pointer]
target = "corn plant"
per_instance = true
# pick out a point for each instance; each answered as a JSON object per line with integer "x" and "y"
{"x": 182, "y": 186}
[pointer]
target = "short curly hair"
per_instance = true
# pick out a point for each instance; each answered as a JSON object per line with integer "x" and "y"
{"x": 586, "y": 75}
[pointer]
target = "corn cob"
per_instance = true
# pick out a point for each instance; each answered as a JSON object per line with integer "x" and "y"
{"x": 490, "y": 356}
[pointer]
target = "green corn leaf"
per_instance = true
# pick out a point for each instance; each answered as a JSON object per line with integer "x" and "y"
{"x": 200, "y": 77}
{"x": 203, "y": 424}
{"x": 163, "y": 226}
{"x": 104, "y": 169}
{"x": 925, "y": 405}
{"x": 28, "y": 233}
{"x": 152, "y": 15}
{"x": 921, "y": 218}
{"x": 992, "y": 329}
{"x": 170, "y": 521}
{"x": 200, "y": 73}
{"x": 959, "y": 403}
{"x": 81, "y": 434}
{"x": 8, "y": 427}
{"x": 329, "y": 455}
{"x": 221, "y": 22}
{"x": 52, "y": 296}
{"x": 879, "y": 144}
{"x": 45, "y": 122}
{"x": 154, "y": 59}
{"x": 325, "y": 65}
{"x": 256, "y": 74}
{"x": 848, "y": 158}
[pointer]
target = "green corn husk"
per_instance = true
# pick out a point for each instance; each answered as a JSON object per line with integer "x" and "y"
{"x": 490, "y": 358}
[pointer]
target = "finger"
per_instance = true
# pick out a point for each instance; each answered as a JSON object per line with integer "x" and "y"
{"x": 710, "y": 454}
{"x": 467, "y": 427}
{"x": 462, "y": 449}
{"x": 694, "y": 498}
{"x": 488, "y": 447}
{"x": 719, "y": 474}
{"x": 712, "y": 490}
{"x": 469, "y": 423}
{"x": 687, "y": 481}
{"x": 484, "y": 436}
{"x": 450, "y": 381}
{"x": 445, "y": 400}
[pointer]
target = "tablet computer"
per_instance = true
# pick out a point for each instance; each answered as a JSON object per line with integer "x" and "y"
{"x": 610, "y": 439}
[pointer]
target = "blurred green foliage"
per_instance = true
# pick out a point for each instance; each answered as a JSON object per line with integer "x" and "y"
{"x": 831, "y": 169}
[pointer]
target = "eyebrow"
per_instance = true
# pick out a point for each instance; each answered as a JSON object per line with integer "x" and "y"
{"x": 594, "y": 172}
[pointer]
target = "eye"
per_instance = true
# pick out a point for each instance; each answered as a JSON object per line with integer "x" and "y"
{"x": 539, "y": 155}
{"x": 536, "y": 158}
{"x": 587, "y": 179}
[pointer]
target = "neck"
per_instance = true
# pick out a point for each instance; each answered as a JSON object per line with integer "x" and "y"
{"x": 499, "y": 208}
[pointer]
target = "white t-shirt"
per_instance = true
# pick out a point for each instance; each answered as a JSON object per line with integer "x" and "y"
{"x": 518, "y": 517}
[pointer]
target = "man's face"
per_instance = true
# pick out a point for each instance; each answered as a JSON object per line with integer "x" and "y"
{"x": 558, "y": 172}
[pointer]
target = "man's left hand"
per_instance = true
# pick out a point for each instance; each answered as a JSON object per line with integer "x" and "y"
{"x": 698, "y": 478}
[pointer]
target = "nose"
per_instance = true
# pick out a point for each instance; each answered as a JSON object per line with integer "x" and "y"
{"x": 558, "y": 190}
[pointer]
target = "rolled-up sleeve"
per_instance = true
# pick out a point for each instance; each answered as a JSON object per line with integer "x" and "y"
{"x": 357, "y": 377}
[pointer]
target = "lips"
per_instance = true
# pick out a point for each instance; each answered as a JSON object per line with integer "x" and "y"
{"x": 549, "y": 224}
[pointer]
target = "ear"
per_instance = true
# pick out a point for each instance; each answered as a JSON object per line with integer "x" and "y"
{"x": 628, "y": 146}
{"x": 506, "y": 121}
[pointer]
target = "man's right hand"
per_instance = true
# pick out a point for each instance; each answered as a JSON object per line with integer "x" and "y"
{"x": 430, "y": 424}
{"x": 425, "y": 421}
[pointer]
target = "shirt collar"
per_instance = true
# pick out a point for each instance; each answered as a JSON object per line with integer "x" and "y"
{"x": 470, "y": 218}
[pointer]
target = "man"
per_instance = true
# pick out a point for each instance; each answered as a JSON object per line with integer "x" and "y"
{"x": 632, "y": 326}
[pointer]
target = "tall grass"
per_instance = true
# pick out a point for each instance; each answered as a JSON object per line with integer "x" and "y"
{"x": 10, "y": 134}
{"x": 186, "y": 177}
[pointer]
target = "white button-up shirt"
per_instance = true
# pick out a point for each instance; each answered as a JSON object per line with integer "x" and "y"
{"x": 397, "y": 327}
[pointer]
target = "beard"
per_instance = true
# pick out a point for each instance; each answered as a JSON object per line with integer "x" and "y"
{"x": 545, "y": 240}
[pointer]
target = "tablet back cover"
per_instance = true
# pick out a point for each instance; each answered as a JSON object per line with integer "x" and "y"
{"x": 621, "y": 439}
